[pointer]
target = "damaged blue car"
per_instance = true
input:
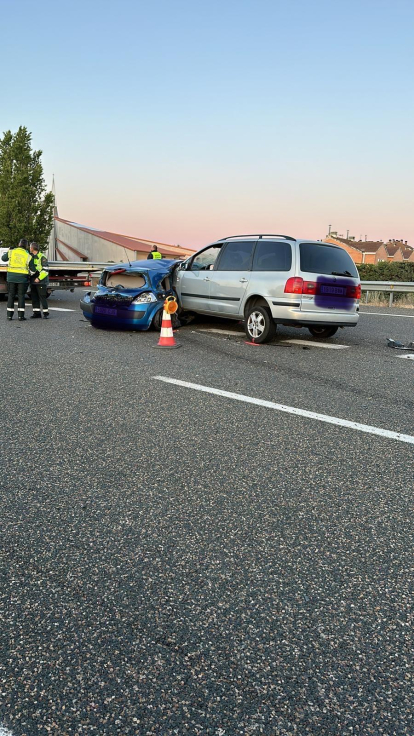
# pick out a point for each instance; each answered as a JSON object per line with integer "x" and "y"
{"x": 131, "y": 295}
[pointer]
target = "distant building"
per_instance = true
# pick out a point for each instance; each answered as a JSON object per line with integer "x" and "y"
{"x": 407, "y": 252}
{"x": 370, "y": 251}
{"x": 70, "y": 241}
{"x": 360, "y": 251}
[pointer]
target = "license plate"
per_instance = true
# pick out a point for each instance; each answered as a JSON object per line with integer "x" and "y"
{"x": 340, "y": 290}
{"x": 106, "y": 310}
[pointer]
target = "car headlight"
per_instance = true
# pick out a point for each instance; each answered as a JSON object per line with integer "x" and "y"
{"x": 144, "y": 298}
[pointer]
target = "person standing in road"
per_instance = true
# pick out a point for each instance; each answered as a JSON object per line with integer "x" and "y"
{"x": 17, "y": 277}
{"x": 154, "y": 253}
{"x": 39, "y": 281}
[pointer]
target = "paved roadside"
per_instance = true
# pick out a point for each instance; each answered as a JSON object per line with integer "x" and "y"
{"x": 185, "y": 563}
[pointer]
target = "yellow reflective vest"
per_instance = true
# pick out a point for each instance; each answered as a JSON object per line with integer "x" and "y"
{"x": 156, "y": 254}
{"x": 19, "y": 260}
{"x": 41, "y": 265}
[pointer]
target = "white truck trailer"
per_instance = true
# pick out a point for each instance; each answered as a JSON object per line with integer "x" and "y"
{"x": 62, "y": 274}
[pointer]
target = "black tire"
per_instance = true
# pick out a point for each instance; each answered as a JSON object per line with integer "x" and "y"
{"x": 323, "y": 332}
{"x": 258, "y": 325}
{"x": 157, "y": 320}
{"x": 185, "y": 317}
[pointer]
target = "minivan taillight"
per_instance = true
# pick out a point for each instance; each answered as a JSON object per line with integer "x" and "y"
{"x": 297, "y": 285}
{"x": 310, "y": 287}
{"x": 294, "y": 285}
{"x": 354, "y": 292}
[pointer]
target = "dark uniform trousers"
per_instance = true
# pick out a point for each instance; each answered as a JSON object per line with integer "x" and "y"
{"x": 39, "y": 296}
{"x": 19, "y": 290}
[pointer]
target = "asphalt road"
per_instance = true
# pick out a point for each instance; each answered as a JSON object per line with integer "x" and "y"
{"x": 176, "y": 562}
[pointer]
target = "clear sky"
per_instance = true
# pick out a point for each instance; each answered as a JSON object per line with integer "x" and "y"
{"x": 188, "y": 120}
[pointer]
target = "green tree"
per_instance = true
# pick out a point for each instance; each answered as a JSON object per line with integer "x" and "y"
{"x": 26, "y": 208}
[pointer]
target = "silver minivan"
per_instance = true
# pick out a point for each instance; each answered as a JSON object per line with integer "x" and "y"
{"x": 266, "y": 280}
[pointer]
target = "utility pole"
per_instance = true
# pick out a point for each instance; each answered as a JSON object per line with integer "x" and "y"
{"x": 329, "y": 229}
{"x": 347, "y": 233}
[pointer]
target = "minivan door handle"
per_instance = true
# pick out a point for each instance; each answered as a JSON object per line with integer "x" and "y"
{"x": 243, "y": 281}
{"x": 206, "y": 278}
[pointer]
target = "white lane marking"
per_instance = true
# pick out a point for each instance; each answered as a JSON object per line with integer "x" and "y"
{"x": 5, "y": 732}
{"x": 313, "y": 344}
{"x": 223, "y": 332}
{"x": 387, "y": 314}
{"x": 293, "y": 340}
{"x": 52, "y": 309}
{"x": 407, "y": 357}
{"x": 292, "y": 410}
{"x": 59, "y": 309}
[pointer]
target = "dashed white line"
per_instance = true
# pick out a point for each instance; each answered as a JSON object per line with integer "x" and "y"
{"x": 292, "y": 410}
{"x": 293, "y": 341}
{"x": 53, "y": 309}
{"x": 388, "y": 314}
{"x": 59, "y": 309}
{"x": 407, "y": 357}
{"x": 5, "y": 732}
{"x": 223, "y": 332}
{"x": 314, "y": 344}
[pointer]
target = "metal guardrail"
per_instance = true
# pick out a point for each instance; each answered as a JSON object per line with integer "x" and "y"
{"x": 389, "y": 286}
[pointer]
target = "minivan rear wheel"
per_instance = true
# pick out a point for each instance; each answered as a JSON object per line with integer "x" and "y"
{"x": 322, "y": 331}
{"x": 259, "y": 325}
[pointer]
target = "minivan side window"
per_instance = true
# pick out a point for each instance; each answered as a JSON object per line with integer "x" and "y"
{"x": 205, "y": 261}
{"x": 315, "y": 258}
{"x": 272, "y": 256}
{"x": 236, "y": 256}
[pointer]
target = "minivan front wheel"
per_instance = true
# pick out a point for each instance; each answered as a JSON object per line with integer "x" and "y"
{"x": 259, "y": 325}
{"x": 322, "y": 331}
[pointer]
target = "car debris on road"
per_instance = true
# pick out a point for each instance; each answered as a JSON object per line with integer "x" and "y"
{"x": 399, "y": 345}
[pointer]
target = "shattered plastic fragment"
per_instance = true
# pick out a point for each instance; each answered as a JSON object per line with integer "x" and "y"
{"x": 400, "y": 345}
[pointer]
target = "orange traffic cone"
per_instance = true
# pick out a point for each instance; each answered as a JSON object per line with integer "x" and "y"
{"x": 167, "y": 339}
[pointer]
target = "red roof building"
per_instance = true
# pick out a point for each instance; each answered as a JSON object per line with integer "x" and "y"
{"x": 373, "y": 251}
{"x": 71, "y": 241}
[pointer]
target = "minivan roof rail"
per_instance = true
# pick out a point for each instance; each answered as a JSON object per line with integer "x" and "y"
{"x": 262, "y": 235}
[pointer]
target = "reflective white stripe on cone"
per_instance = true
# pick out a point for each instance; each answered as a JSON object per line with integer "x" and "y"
{"x": 167, "y": 339}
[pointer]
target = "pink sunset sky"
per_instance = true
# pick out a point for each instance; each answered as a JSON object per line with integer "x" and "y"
{"x": 185, "y": 122}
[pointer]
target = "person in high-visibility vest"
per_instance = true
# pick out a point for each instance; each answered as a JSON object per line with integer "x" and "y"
{"x": 17, "y": 277}
{"x": 39, "y": 280}
{"x": 154, "y": 253}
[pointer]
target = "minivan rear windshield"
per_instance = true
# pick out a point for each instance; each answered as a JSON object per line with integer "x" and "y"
{"x": 321, "y": 258}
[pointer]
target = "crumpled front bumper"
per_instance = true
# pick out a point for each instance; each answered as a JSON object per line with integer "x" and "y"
{"x": 133, "y": 316}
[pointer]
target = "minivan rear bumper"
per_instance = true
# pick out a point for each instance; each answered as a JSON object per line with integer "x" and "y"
{"x": 294, "y": 316}
{"x": 313, "y": 323}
